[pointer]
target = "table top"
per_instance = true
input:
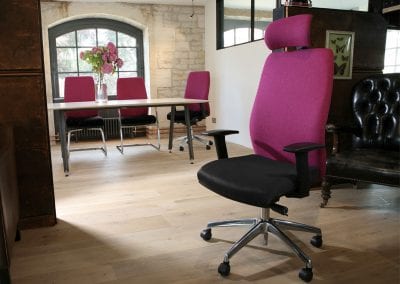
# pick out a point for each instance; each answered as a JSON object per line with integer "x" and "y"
{"x": 124, "y": 103}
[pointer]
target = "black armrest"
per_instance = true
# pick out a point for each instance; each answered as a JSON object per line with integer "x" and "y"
{"x": 302, "y": 147}
{"x": 301, "y": 151}
{"x": 219, "y": 140}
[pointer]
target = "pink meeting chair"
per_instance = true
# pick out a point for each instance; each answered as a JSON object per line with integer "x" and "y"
{"x": 287, "y": 129}
{"x": 197, "y": 87}
{"x": 80, "y": 89}
{"x": 130, "y": 118}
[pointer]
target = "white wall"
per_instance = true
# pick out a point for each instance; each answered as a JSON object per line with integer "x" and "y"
{"x": 235, "y": 73}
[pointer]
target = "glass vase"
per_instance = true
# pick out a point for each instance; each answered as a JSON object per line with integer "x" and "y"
{"x": 101, "y": 93}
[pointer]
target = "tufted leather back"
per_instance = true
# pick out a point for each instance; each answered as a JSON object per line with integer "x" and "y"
{"x": 376, "y": 107}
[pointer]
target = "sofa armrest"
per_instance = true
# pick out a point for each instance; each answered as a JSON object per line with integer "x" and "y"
{"x": 339, "y": 132}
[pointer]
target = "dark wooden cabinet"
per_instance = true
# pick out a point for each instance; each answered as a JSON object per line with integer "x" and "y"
{"x": 20, "y": 35}
{"x": 369, "y": 48}
{"x": 23, "y": 108}
{"x": 9, "y": 206}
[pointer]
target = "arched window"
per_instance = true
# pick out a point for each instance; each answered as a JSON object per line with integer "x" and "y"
{"x": 67, "y": 40}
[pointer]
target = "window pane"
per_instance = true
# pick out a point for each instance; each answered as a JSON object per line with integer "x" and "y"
{"x": 126, "y": 40}
{"x": 355, "y": 5}
{"x": 66, "y": 60}
{"x": 82, "y": 64}
{"x": 237, "y": 15}
{"x": 262, "y": 16}
{"x": 392, "y": 52}
{"x": 66, "y": 40}
{"x": 87, "y": 38}
{"x": 229, "y": 38}
{"x": 242, "y": 35}
{"x": 129, "y": 56}
{"x": 392, "y": 39}
{"x": 111, "y": 81}
{"x": 106, "y": 36}
{"x": 127, "y": 74}
{"x": 258, "y": 33}
{"x": 61, "y": 82}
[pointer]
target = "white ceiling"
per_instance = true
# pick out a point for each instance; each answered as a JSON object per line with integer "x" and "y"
{"x": 166, "y": 2}
{"x": 337, "y": 4}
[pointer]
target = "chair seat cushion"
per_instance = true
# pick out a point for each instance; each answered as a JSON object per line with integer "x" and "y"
{"x": 250, "y": 179}
{"x": 138, "y": 120}
{"x": 369, "y": 165}
{"x": 195, "y": 116}
{"x": 85, "y": 122}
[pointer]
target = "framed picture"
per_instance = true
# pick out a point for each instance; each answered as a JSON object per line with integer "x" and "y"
{"x": 342, "y": 45}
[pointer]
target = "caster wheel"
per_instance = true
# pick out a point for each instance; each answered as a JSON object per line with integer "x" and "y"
{"x": 316, "y": 241}
{"x": 181, "y": 148}
{"x": 224, "y": 269}
{"x": 306, "y": 274}
{"x": 208, "y": 147}
{"x": 206, "y": 234}
{"x": 210, "y": 143}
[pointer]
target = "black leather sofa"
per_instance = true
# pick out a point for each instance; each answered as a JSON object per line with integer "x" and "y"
{"x": 367, "y": 148}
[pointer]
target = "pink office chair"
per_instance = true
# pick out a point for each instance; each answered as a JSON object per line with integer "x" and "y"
{"x": 287, "y": 122}
{"x": 197, "y": 87}
{"x": 79, "y": 89}
{"x": 130, "y": 118}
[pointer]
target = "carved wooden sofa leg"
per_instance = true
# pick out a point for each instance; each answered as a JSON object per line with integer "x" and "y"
{"x": 325, "y": 192}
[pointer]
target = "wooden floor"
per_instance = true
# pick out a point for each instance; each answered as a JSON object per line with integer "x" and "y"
{"x": 136, "y": 218}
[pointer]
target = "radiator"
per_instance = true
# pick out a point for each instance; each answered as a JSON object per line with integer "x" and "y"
{"x": 111, "y": 130}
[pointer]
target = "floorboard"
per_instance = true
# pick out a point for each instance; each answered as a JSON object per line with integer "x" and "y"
{"x": 136, "y": 218}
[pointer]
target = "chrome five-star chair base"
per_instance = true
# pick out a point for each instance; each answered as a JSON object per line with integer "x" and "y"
{"x": 184, "y": 140}
{"x": 265, "y": 225}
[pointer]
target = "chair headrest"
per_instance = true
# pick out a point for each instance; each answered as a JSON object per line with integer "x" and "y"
{"x": 292, "y": 31}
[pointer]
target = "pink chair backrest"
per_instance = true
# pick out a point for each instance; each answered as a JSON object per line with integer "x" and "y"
{"x": 79, "y": 89}
{"x": 197, "y": 87}
{"x": 130, "y": 89}
{"x": 294, "y": 93}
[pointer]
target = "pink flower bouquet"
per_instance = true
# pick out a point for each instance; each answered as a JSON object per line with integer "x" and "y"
{"x": 104, "y": 60}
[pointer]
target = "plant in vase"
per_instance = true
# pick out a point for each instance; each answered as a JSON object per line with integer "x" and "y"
{"x": 104, "y": 60}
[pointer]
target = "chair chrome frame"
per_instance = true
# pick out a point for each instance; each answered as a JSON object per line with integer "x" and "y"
{"x": 121, "y": 127}
{"x": 103, "y": 148}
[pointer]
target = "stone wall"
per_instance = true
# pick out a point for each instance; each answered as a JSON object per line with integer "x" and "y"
{"x": 173, "y": 41}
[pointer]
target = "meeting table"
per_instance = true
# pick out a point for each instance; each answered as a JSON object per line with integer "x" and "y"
{"x": 60, "y": 108}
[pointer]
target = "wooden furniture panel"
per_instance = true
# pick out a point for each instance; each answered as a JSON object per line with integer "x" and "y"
{"x": 20, "y": 36}
{"x": 23, "y": 106}
{"x": 9, "y": 211}
{"x": 369, "y": 48}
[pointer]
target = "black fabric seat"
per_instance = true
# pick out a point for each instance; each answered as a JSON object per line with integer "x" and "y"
{"x": 89, "y": 122}
{"x": 195, "y": 116}
{"x": 139, "y": 120}
{"x": 239, "y": 179}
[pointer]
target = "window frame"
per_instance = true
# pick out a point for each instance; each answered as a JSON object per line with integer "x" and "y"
{"x": 91, "y": 23}
{"x": 220, "y": 8}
